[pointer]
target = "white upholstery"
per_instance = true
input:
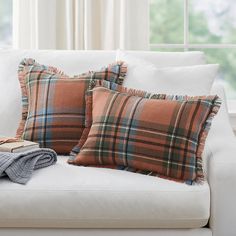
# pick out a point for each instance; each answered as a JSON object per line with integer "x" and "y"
{"x": 78, "y": 197}
{"x": 115, "y": 195}
{"x": 192, "y": 80}
{"x": 105, "y": 232}
{"x": 222, "y": 172}
{"x": 165, "y": 59}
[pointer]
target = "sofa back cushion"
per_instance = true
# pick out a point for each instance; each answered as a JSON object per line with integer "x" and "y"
{"x": 166, "y": 59}
{"x": 192, "y": 80}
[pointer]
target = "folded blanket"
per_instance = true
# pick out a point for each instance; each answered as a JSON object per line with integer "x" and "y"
{"x": 20, "y": 166}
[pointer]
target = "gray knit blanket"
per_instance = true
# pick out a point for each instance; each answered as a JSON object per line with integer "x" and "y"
{"x": 19, "y": 167}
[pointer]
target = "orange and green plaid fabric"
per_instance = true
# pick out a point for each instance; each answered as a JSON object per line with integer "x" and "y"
{"x": 53, "y": 103}
{"x": 154, "y": 134}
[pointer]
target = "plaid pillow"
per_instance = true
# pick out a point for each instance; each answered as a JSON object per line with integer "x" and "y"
{"x": 88, "y": 113}
{"x": 53, "y": 103}
{"x": 151, "y": 133}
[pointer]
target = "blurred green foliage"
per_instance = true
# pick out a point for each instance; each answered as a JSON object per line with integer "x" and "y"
{"x": 166, "y": 26}
{"x": 166, "y": 21}
{"x": 5, "y": 22}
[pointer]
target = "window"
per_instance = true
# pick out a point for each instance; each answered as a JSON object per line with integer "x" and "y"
{"x": 209, "y": 26}
{"x": 5, "y": 23}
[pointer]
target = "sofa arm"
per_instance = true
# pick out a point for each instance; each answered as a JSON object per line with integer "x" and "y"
{"x": 222, "y": 180}
{"x": 221, "y": 171}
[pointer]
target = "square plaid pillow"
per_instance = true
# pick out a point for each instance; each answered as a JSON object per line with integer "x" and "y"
{"x": 150, "y": 133}
{"x": 53, "y": 112}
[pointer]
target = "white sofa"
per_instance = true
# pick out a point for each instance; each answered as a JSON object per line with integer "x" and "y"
{"x": 71, "y": 200}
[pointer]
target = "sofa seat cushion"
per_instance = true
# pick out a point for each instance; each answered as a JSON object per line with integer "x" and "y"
{"x": 69, "y": 196}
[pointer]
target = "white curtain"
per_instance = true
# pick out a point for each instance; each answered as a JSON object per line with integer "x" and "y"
{"x": 81, "y": 24}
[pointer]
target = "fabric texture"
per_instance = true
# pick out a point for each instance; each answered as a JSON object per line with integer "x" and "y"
{"x": 149, "y": 132}
{"x": 111, "y": 232}
{"x": 53, "y": 103}
{"x": 19, "y": 167}
{"x": 83, "y": 24}
{"x": 194, "y": 80}
{"x": 222, "y": 170}
{"x": 67, "y": 196}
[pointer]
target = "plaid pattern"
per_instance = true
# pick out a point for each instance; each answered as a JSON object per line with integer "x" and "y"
{"x": 156, "y": 134}
{"x": 88, "y": 113}
{"x": 88, "y": 108}
{"x": 53, "y": 111}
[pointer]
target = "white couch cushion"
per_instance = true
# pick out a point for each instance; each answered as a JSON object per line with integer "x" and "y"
{"x": 84, "y": 197}
{"x": 165, "y": 59}
{"x": 182, "y": 80}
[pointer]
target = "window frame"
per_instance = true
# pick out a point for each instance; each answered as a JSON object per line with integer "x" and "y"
{"x": 186, "y": 45}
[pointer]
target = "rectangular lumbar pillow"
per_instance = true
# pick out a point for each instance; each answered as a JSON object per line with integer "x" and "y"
{"x": 53, "y": 111}
{"x": 148, "y": 132}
